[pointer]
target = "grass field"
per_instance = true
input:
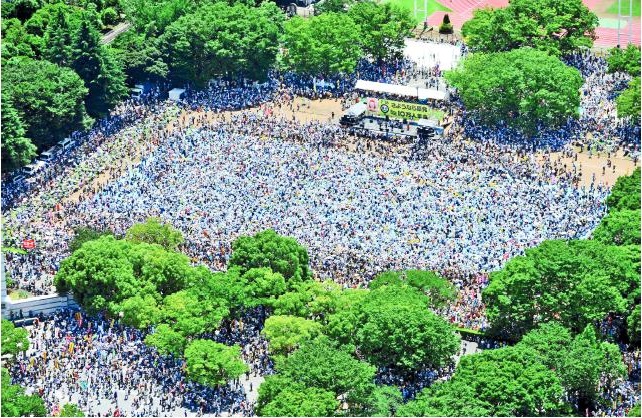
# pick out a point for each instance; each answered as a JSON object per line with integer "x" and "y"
{"x": 625, "y": 7}
{"x": 433, "y": 6}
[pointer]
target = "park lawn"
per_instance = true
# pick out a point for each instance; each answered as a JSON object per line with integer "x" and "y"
{"x": 625, "y": 7}
{"x": 433, "y": 6}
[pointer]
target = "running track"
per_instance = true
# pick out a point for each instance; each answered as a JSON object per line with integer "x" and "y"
{"x": 462, "y": 10}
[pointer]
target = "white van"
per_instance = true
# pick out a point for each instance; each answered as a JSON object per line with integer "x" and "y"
{"x": 65, "y": 144}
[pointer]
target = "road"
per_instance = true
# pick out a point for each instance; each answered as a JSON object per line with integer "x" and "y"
{"x": 112, "y": 34}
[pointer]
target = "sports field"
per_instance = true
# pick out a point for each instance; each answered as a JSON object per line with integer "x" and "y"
{"x": 433, "y": 6}
{"x": 626, "y": 5}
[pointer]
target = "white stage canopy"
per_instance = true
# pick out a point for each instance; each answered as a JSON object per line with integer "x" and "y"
{"x": 399, "y": 90}
{"x": 175, "y": 94}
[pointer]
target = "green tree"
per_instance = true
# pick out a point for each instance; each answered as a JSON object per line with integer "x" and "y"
{"x": 21, "y": 9}
{"x": 17, "y": 149}
{"x": 140, "y": 311}
{"x": 97, "y": 66}
{"x": 447, "y": 399}
{"x": 286, "y": 333}
{"x": 84, "y": 234}
{"x": 587, "y": 361}
{"x": 191, "y": 315}
{"x": 58, "y": 39}
{"x": 384, "y": 28}
{"x": 384, "y": 402}
{"x": 524, "y": 88}
{"x": 212, "y": 364}
{"x": 263, "y": 286}
{"x": 634, "y": 411}
{"x": 625, "y": 194}
{"x": 312, "y": 300}
{"x": 167, "y": 341}
{"x": 71, "y": 410}
{"x": 14, "y": 340}
{"x": 393, "y": 327}
{"x": 510, "y": 382}
{"x": 105, "y": 272}
{"x": 625, "y": 60}
{"x": 39, "y": 24}
{"x": 16, "y": 41}
{"x": 140, "y": 56}
{"x": 49, "y": 99}
{"x": 219, "y": 39}
{"x": 153, "y": 231}
{"x": 575, "y": 282}
{"x": 320, "y": 364}
{"x": 267, "y": 249}
{"x": 281, "y": 396}
{"x": 621, "y": 227}
{"x": 438, "y": 290}
{"x": 324, "y": 44}
{"x": 332, "y": 6}
{"x": 554, "y": 27}
{"x": 155, "y": 13}
{"x": 551, "y": 342}
{"x": 15, "y": 403}
{"x": 628, "y": 103}
{"x": 296, "y": 400}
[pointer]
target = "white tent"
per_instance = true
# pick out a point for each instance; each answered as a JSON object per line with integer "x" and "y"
{"x": 357, "y": 109}
{"x": 176, "y": 94}
{"x": 432, "y": 94}
{"x": 399, "y": 90}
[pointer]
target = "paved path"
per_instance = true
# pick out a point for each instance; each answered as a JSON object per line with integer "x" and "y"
{"x": 112, "y": 34}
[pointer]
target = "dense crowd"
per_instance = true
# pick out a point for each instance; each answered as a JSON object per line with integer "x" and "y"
{"x": 360, "y": 203}
{"x": 107, "y": 370}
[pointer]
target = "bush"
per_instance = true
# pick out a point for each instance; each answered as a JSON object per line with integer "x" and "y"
{"x": 109, "y": 16}
{"x": 446, "y": 20}
{"x": 446, "y": 28}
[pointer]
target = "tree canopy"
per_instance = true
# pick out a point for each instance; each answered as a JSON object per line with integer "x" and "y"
{"x": 220, "y": 39}
{"x": 619, "y": 227}
{"x": 628, "y": 102}
{"x": 17, "y": 149}
{"x": 384, "y": 27}
{"x": 502, "y": 382}
{"x": 524, "y": 88}
{"x": 71, "y": 410}
{"x": 625, "y": 194}
{"x": 14, "y": 340}
{"x": 153, "y": 231}
{"x": 14, "y": 401}
{"x": 554, "y": 27}
{"x": 325, "y": 44}
{"x": 575, "y": 282}
{"x": 49, "y": 99}
{"x": 286, "y": 333}
{"x": 295, "y": 400}
{"x": 625, "y": 60}
{"x": 267, "y": 249}
{"x": 104, "y": 273}
{"x": 213, "y": 364}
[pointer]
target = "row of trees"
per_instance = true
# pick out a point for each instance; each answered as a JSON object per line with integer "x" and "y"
{"x": 57, "y": 78}
{"x": 516, "y": 76}
{"x": 551, "y": 26}
{"x": 528, "y": 379}
{"x": 327, "y": 342}
{"x": 525, "y": 88}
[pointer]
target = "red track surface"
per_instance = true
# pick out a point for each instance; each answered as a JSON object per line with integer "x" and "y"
{"x": 462, "y": 10}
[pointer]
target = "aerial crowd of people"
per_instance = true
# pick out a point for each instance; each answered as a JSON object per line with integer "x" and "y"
{"x": 462, "y": 206}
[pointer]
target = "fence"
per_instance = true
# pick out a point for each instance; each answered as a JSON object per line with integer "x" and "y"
{"x": 31, "y": 307}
